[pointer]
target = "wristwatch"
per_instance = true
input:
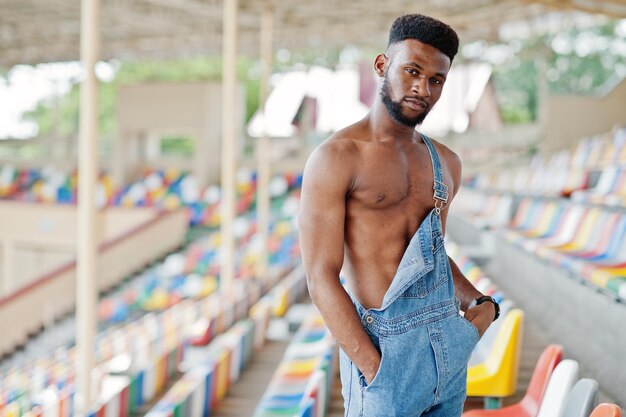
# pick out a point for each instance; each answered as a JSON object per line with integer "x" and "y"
{"x": 484, "y": 298}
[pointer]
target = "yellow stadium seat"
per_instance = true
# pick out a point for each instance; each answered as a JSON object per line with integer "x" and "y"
{"x": 299, "y": 367}
{"x": 601, "y": 276}
{"x": 281, "y": 303}
{"x": 222, "y": 375}
{"x": 497, "y": 376}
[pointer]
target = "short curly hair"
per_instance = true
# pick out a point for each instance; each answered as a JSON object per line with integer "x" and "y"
{"x": 427, "y": 30}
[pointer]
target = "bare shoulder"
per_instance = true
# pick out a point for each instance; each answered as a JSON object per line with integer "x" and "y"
{"x": 451, "y": 160}
{"x": 336, "y": 157}
{"x": 340, "y": 146}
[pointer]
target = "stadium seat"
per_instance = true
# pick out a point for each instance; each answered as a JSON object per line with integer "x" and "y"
{"x": 584, "y": 234}
{"x": 606, "y": 410}
{"x": 307, "y": 409}
{"x": 561, "y": 382}
{"x": 497, "y": 376}
{"x": 545, "y": 221}
{"x": 610, "y": 183}
{"x": 564, "y": 233}
{"x": 582, "y": 399}
{"x": 301, "y": 383}
{"x": 297, "y": 368}
{"x": 281, "y": 302}
{"x": 529, "y": 405}
{"x": 307, "y": 350}
{"x": 316, "y": 391}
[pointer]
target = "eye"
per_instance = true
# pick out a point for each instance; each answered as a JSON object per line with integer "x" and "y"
{"x": 412, "y": 71}
{"x": 436, "y": 81}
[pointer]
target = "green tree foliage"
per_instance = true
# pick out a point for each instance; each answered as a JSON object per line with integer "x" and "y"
{"x": 515, "y": 88}
{"x": 587, "y": 61}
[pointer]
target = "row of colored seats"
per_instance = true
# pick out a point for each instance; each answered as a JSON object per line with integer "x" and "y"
{"x": 484, "y": 210}
{"x": 555, "y": 391}
{"x": 610, "y": 189}
{"x": 301, "y": 385}
{"x": 562, "y": 174}
{"x": 194, "y": 272}
{"x": 147, "y": 335}
{"x": 589, "y": 242}
{"x": 283, "y": 294}
{"x": 209, "y": 374}
{"x": 221, "y": 311}
{"x": 494, "y": 364}
{"x": 581, "y": 398}
{"x": 168, "y": 189}
{"x": 155, "y": 341}
{"x": 147, "y": 351}
{"x": 553, "y": 176}
{"x": 198, "y": 381}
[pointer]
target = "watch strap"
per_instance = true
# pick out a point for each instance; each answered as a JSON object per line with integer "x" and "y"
{"x": 490, "y": 299}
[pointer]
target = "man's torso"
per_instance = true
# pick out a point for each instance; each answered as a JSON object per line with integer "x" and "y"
{"x": 392, "y": 193}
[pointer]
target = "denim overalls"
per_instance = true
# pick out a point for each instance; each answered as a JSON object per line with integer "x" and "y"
{"x": 424, "y": 343}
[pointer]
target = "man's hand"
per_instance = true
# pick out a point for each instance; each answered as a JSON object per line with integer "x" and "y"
{"x": 481, "y": 316}
{"x": 371, "y": 370}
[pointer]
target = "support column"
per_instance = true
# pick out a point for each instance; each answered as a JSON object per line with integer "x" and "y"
{"x": 263, "y": 145}
{"x": 86, "y": 257}
{"x": 229, "y": 139}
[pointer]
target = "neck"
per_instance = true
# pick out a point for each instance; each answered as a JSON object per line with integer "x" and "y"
{"x": 384, "y": 127}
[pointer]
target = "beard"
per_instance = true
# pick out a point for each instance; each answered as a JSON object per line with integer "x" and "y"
{"x": 395, "y": 108}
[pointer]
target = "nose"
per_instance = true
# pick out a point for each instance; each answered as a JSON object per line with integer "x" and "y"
{"x": 421, "y": 87}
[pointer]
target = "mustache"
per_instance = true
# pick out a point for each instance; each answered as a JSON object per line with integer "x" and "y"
{"x": 418, "y": 99}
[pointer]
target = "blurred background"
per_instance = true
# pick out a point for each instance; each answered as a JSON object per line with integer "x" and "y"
{"x": 170, "y": 281}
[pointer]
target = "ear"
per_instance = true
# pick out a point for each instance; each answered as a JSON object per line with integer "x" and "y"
{"x": 380, "y": 64}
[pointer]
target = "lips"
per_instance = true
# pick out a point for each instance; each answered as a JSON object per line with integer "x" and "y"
{"x": 416, "y": 104}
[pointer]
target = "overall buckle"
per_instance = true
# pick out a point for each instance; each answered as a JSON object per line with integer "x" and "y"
{"x": 440, "y": 195}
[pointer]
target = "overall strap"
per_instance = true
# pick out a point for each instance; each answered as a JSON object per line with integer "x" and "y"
{"x": 440, "y": 189}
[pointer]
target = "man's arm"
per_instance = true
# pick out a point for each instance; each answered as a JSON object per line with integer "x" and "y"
{"x": 326, "y": 181}
{"x": 480, "y": 315}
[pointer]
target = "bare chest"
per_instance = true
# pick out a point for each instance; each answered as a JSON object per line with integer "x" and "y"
{"x": 404, "y": 183}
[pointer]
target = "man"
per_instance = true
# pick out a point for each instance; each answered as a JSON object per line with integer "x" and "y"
{"x": 374, "y": 203}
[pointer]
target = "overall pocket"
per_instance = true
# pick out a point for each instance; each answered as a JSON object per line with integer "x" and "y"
{"x": 473, "y": 329}
{"x": 375, "y": 381}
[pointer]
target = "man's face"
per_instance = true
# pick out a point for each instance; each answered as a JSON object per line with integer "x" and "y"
{"x": 413, "y": 80}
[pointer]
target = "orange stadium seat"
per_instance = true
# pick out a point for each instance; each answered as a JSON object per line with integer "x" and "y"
{"x": 529, "y": 405}
{"x": 606, "y": 410}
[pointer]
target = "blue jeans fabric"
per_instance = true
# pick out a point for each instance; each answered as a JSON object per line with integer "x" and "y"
{"x": 424, "y": 343}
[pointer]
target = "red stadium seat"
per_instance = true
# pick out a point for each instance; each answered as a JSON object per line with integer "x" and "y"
{"x": 529, "y": 405}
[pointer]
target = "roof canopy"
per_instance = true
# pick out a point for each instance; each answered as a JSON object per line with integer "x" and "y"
{"x": 36, "y": 31}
